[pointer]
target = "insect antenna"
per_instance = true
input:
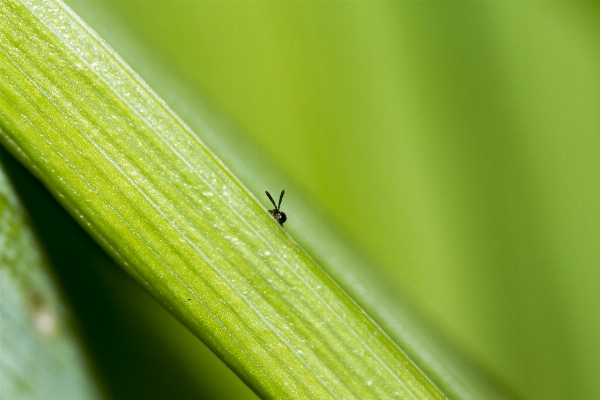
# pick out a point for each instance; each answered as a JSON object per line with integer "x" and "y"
{"x": 273, "y": 201}
{"x": 280, "y": 198}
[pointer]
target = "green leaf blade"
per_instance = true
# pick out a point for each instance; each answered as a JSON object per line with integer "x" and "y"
{"x": 175, "y": 218}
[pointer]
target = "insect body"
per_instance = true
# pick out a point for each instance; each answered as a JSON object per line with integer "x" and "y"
{"x": 278, "y": 215}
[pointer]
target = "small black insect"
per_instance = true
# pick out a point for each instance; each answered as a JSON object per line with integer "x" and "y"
{"x": 278, "y": 215}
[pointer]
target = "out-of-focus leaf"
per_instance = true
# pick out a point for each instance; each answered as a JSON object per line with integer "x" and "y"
{"x": 40, "y": 356}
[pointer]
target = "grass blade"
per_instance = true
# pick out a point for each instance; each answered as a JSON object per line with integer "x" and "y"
{"x": 175, "y": 218}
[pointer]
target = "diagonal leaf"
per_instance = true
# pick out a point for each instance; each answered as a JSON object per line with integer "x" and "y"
{"x": 175, "y": 218}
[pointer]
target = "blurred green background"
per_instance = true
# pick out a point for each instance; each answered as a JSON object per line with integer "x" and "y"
{"x": 458, "y": 143}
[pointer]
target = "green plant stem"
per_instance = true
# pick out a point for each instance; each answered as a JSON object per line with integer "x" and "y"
{"x": 172, "y": 215}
